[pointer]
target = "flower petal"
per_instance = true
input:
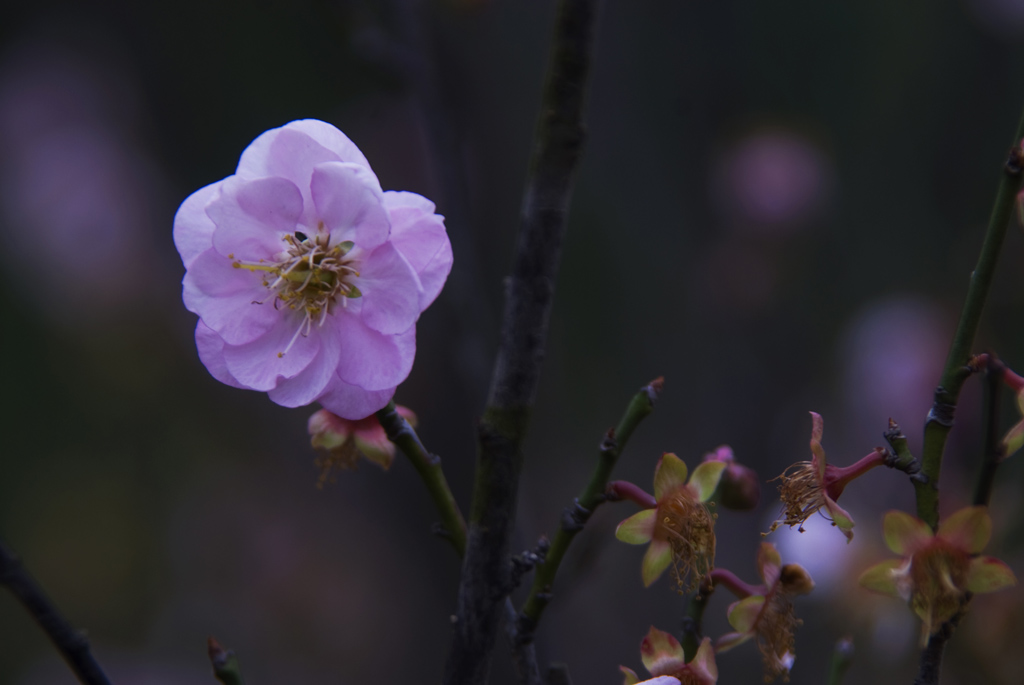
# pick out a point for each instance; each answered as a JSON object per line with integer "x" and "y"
{"x": 661, "y": 653}
{"x": 988, "y": 574}
{"x": 631, "y": 678}
{"x": 252, "y": 217}
{"x": 669, "y": 474}
{"x": 968, "y": 529}
{"x": 350, "y": 205}
{"x": 352, "y": 402}
{"x": 1013, "y": 441}
{"x": 705, "y": 479}
{"x": 228, "y": 300}
{"x": 193, "y": 229}
{"x": 638, "y": 529}
{"x": 261, "y": 363}
{"x": 744, "y": 613}
{"x": 703, "y": 663}
{"x": 310, "y": 383}
{"x": 840, "y": 517}
{"x": 884, "y": 577}
{"x": 292, "y": 152}
{"x": 370, "y": 359}
{"x": 905, "y": 534}
{"x": 391, "y": 290}
{"x": 769, "y": 563}
{"x": 420, "y": 236}
{"x": 730, "y": 640}
{"x": 211, "y": 353}
{"x": 656, "y": 559}
{"x": 817, "y": 430}
{"x": 661, "y": 680}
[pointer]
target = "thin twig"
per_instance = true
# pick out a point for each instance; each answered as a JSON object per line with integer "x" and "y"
{"x": 528, "y": 299}
{"x": 611, "y": 447}
{"x": 931, "y": 656}
{"x": 993, "y": 450}
{"x": 957, "y": 369}
{"x": 71, "y": 643}
{"x": 400, "y": 432}
{"x": 429, "y": 467}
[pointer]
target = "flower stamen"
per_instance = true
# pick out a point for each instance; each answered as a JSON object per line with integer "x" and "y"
{"x": 311, "y": 275}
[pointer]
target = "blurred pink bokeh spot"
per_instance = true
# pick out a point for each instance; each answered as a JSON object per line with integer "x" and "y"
{"x": 772, "y": 182}
{"x": 75, "y": 190}
{"x": 1004, "y": 18}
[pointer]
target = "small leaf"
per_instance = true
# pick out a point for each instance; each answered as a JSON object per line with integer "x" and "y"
{"x": 988, "y": 574}
{"x": 1014, "y": 439}
{"x": 730, "y": 640}
{"x": 705, "y": 479}
{"x": 840, "y": 517}
{"x": 638, "y": 528}
{"x": 631, "y": 676}
{"x": 703, "y": 663}
{"x": 885, "y": 577}
{"x": 817, "y": 429}
{"x": 905, "y": 534}
{"x": 656, "y": 560}
{"x": 769, "y": 563}
{"x": 968, "y": 529}
{"x": 668, "y": 475}
{"x": 744, "y": 613}
{"x": 661, "y": 653}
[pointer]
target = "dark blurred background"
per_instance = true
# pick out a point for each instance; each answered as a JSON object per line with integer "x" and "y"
{"x": 778, "y": 210}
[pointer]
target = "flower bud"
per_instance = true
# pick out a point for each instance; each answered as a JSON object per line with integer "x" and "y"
{"x": 796, "y": 580}
{"x": 339, "y": 442}
{"x": 740, "y": 488}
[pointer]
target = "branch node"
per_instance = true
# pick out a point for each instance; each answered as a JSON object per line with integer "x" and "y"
{"x": 575, "y": 517}
{"x": 608, "y": 442}
{"x": 654, "y": 388}
{"x": 1014, "y": 161}
{"x": 942, "y": 412}
{"x": 438, "y": 529}
{"x": 526, "y": 561}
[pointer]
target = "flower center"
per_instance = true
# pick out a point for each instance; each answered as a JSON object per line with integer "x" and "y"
{"x": 310, "y": 276}
{"x": 939, "y": 577}
{"x": 801, "y": 495}
{"x": 775, "y": 628}
{"x": 689, "y": 528}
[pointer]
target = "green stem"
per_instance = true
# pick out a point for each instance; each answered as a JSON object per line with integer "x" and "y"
{"x": 956, "y": 371}
{"x": 402, "y": 434}
{"x": 592, "y": 496}
{"x": 225, "y": 663}
{"x": 993, "y": 451}
{"x": 904, "y": 460}
{"x": 429, "y": 467}
{"x": 693, "y": 632}
{"x": 842, "y": 657}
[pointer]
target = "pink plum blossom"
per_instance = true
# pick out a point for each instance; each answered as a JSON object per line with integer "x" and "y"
{"x": 307, "y": 278}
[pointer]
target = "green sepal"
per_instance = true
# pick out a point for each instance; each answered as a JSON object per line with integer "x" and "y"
{"x": 705, "y": 479}
{"x": 638, "y": 529}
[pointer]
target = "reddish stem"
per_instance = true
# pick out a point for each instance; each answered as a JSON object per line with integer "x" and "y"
{"x": 621, "y": 489}
{"x": 837, "y": 478}
{"x": 733, "y": 584}
{"x": 1012, "y": 380}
